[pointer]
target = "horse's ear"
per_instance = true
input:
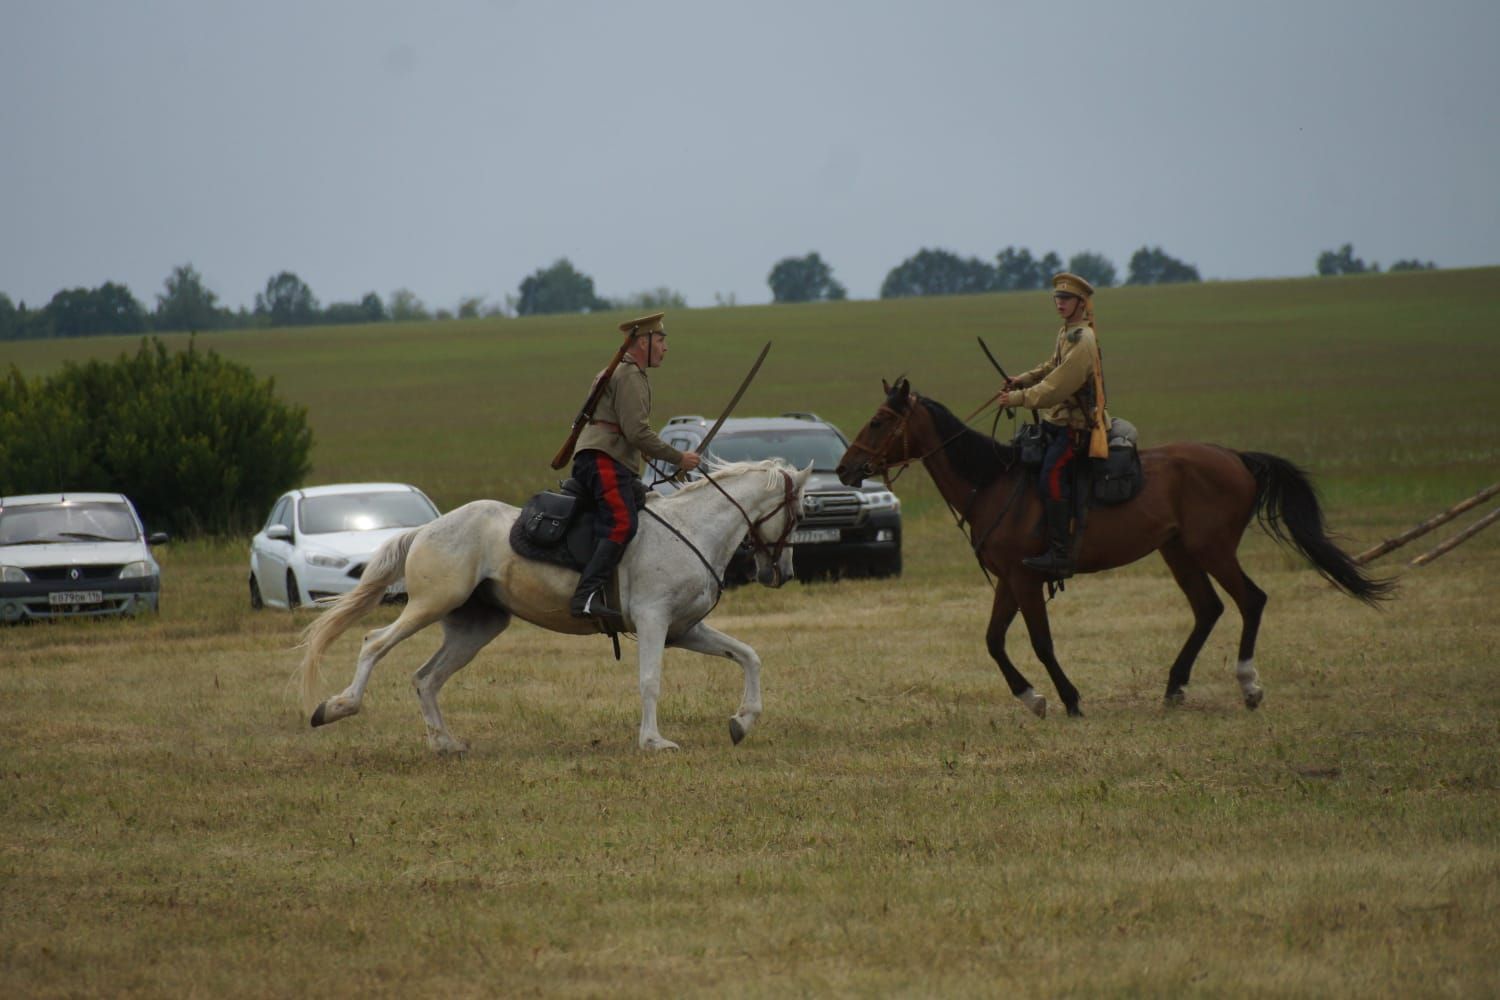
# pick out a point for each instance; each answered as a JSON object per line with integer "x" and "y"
{"x": 903, "y": 388}
{"x": 885, "y": 387}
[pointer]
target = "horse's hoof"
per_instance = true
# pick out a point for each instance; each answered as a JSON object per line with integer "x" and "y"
{"x": 736, "y": 731}
{"x": 319, "y": 717}
{"x": 1037, "y": 703}
{"x": 1254, "y": 698}
{"x": 451, "y": 748}
{"x": 1074, "y": 712}
{"x": 658, "y": 743}
{"x": 1175, "y": 697}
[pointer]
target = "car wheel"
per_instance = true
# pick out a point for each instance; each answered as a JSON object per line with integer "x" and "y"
{"x": 256, "y": 603}
{"x": 293, "y": 595}
{"x": 890, "y": 566}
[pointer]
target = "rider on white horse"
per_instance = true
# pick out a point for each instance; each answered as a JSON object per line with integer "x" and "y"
{"x": 608, "y": 460}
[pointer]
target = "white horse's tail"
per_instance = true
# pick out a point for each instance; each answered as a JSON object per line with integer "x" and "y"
{"x": 386, "y": 567}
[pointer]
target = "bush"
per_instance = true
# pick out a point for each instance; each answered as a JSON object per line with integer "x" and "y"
{"x": 194, "y": 440}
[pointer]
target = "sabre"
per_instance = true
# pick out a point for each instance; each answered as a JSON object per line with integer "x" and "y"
{"x": 702, "y": 448}
{"x": 1009, "y": 411}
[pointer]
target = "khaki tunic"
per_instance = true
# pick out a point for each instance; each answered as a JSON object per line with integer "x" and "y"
{"x": 626, "y": 404}
{"x": 1054, "y": 386}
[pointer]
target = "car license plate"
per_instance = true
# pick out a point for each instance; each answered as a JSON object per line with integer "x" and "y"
{"x": 811, "y": 536}
{"x": 76, "y": 597}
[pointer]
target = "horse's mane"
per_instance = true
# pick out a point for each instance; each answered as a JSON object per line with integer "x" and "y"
{"x": 772, "y": 467}
{"x": 977, "y": 457}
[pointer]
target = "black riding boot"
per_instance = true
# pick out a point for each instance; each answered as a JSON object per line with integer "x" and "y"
{"x": 1057, "y": 561}
{"x": 588, "y": 599}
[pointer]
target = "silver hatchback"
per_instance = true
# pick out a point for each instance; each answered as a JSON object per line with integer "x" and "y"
{"x": 75, "y": 554}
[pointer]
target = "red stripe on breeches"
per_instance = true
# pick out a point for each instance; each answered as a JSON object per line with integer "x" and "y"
{"x": 619, "y": 530}
{"x": 1055, "y": 477}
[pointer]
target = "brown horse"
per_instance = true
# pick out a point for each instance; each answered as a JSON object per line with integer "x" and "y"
{"x": 1194, "y": 508}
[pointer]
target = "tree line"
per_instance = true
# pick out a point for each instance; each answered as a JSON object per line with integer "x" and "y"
{"x": 187, "y": 304}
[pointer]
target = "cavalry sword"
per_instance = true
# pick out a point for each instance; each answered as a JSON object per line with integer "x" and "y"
{"x": 1010, "y": 411}
{"x": 702, "y": 448}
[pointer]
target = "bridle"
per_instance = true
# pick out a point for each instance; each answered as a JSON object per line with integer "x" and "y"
{"x": 758, "y": 544}
{"x": 961, "y": 518}
{"x": 903, "y": 427}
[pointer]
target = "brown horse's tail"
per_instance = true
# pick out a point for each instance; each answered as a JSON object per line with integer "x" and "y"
{"x": 1287, "y": 506}
{"x": 386, "y": 567}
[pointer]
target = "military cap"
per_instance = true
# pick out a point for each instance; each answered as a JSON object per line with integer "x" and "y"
{"x": 646, "y": 324}
{"x": 1072, "y": 284}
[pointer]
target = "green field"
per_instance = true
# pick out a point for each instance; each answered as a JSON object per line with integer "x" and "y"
{"x": 896, "y": 824}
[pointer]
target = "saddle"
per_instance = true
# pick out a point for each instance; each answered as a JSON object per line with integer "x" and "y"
{"x": 1104, "y": 481}
{"x": 557, "y": 526}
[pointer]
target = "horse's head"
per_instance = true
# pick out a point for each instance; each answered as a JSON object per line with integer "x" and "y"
{"x": 884, "y": 442}
{"x": 770, "y": 534}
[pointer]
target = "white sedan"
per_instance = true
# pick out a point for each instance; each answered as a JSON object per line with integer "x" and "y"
{"x": 317, "y": 540}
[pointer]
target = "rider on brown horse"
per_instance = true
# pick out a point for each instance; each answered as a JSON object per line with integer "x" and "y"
{"x": 1066, "y": 389}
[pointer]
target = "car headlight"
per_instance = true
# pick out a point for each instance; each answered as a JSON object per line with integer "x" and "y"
{"x": 327, "y": 562}
{"x": 13, "y": 574}
{"x": 880, "y": 500}
{"x": 136, "y": 569}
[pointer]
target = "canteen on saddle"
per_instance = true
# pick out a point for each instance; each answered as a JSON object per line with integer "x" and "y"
{"x": 557, "y": 526}
{"x": 1113, "y": 480}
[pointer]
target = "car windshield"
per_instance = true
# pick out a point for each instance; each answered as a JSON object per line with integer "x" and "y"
{"x": 817, "y": 445}
{"x": 69, "y": 521}
{"x": 364, "y": 512}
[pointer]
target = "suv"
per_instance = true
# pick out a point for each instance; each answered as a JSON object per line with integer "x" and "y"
{"x": 75, "y": 554}
{"x": 842, "y": 531}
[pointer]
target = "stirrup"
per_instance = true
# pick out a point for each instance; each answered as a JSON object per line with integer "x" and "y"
{"x": 594, "y": 607}
{"x": 1056, "y": 567}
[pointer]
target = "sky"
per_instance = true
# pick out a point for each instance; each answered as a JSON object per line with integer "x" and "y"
{"x": 453, "y": 147}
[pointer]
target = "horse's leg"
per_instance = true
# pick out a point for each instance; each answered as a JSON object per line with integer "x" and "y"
{"x": 1224, "y": 566}
{"x": 1001, "y": 615}
{"x": 651, "y": 640}
{"x": 1207, "y": 608}
{"x": 466, "y": 631}
{"x": 703, "y": 638}
{"x": 1034, "y": 611}
{"x": 416, "y": 616}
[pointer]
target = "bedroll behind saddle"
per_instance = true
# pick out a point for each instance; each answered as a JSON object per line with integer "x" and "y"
{"x": 557, "y": 526}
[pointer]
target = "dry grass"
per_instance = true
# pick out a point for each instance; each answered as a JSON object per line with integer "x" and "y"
{"x": 898, "y": 824}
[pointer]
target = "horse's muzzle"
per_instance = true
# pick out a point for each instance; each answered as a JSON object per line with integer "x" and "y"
{"x": 853, "y": 475}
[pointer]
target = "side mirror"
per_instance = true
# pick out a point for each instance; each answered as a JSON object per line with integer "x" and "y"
{"x": 158, "y": 538}
{"x": 279, "y": 532}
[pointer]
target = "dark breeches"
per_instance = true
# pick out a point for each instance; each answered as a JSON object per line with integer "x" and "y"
{"x": 1056, "y": 481}
{"x": 612, "y": 486}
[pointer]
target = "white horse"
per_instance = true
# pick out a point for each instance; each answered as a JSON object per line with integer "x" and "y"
{"x": 461, "y": 570}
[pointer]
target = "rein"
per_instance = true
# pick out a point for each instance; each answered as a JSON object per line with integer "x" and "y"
{"x": 902, "y": 423}
{"x": 757, "y": 543}
{"x": 903, "y": 420}
{"x": 788, "y": 503}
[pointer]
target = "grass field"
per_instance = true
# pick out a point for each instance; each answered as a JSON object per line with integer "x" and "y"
{"x": 896, "y": 824}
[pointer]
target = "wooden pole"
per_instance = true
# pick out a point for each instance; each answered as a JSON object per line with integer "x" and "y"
{"x": 1427, "y": 525}
{"x": 1458, "y": 539}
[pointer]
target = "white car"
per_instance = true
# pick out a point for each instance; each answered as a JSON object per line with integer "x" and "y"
{"x": 317, "y": 540}
{"x": 75, "y": 554}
